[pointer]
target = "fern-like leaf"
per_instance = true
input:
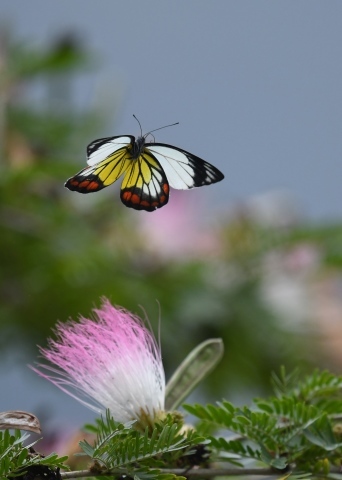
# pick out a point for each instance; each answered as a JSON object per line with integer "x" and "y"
{"x": 124, "y": 446}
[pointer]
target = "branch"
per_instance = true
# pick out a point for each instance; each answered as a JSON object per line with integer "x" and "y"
{"x": 195, "y": 473}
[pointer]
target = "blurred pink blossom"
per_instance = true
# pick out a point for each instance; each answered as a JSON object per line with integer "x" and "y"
{"x": 180, "y": 229}
{"x": 288, "y": 282}
{"x": 110, "y": 362}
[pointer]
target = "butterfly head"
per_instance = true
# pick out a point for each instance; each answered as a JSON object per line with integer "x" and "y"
{"x": 139, "y": 143}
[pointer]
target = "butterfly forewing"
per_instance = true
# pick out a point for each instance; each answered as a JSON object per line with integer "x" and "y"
{"x": 102, "y": 148}
{"x": 145, "y": 186}
{"x": 183, "y": 169}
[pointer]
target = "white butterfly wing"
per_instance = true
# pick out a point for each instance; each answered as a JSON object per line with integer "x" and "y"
{"x": 102, "y": 148}
{"x": 183, "y": 169}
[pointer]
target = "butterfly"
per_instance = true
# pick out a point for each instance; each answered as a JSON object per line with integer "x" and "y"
{"x": 148, "y": 170}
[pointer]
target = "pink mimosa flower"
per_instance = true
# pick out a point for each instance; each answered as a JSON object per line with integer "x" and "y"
{"x": 111, "y": 362}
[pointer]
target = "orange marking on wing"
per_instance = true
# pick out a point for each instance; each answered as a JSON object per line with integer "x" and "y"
{"x": 166, "y": 188}
{"x": 84, "y": 184}
{"x": 93, "y": 185}
{"x": 135, "y": 198}
{"x": 127, "y": 195}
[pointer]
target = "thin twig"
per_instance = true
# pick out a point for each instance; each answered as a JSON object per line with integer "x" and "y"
{"x": 196, "y": 473}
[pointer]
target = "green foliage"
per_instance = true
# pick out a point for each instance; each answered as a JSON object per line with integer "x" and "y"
{"x": 16, "y": 459}
{"x": 296, "y": 430}
{"x": 123, "y": 448}
{"x": 48, "y": 246}
{"x": 328, "y": 238}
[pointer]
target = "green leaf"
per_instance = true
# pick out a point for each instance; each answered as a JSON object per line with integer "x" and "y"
{"x": 276, "y": 462}
{"x": 87, "y": 448}
{"x": 320, "y": 433}
{"x": 196, "y": 366}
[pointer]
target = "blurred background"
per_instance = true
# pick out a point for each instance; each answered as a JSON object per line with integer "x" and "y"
{"x": 255, "y": 259}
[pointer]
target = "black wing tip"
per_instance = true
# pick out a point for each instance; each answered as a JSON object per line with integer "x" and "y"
{"x": 219, "y": 176}
{"x": 208, "y": 177}
{"x": 69, "y": 185}
{"x": 215, "y": 175}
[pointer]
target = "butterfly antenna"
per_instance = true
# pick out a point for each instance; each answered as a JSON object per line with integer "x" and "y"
{"x": 139, "y": 124}
{"x": 160, "y": 128}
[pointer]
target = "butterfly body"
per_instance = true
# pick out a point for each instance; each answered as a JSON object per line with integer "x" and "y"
{"x": 138, "y": 147}
{"x": 148, "y": 170}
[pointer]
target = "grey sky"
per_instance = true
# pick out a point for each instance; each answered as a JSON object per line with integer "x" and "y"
{"x": 255, "y": 85}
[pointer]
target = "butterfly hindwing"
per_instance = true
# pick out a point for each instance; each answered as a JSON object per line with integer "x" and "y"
{"x": 95, "y": 177}
{"x": 145, "y": 186}
{"x": 183, "y": 169}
